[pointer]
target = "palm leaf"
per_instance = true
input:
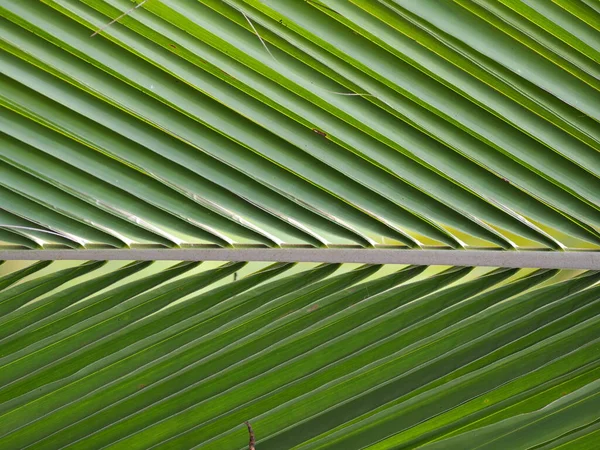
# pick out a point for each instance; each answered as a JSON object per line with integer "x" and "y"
{"x": 329, "y": 356}
{"x": 254, "y": 131}
{"x": 281, "y": 123}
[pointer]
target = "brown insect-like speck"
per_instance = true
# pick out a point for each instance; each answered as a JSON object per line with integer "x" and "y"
{"x": 251, "y": 445}
{"x": 320, "y": 133}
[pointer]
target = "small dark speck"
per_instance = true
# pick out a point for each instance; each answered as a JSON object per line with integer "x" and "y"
{"x": 319, "y": 132}
{"x": 173, "y": 46}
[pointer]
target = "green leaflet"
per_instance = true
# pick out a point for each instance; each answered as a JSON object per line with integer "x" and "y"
{"x": 576, "y": 408}
{"x": 61, "y": 320}
{"x": 29, "y": 314}
{"x": 12, "y": 278}
{"x": 17, "y": 296}
{"x": 17, "y": 374}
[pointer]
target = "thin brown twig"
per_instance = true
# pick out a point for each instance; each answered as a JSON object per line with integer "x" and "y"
{"x": 101, "y": 29}
{"x": 256, "y": 32}
{"x": 251, "y": 444}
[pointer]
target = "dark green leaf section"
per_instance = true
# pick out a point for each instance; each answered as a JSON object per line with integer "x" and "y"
{"x": 132, "y": 356}
{"x": 12, "y": 278}
{"x": 17, "y": 296}
{"x": 270, "y": 123}
{"x": 32, "y": 313}
{"x": 574, "y": 410}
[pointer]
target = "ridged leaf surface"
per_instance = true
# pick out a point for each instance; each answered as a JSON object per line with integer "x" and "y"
{"x": 305, "y": 122}
{"x": 137, "y": 356}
